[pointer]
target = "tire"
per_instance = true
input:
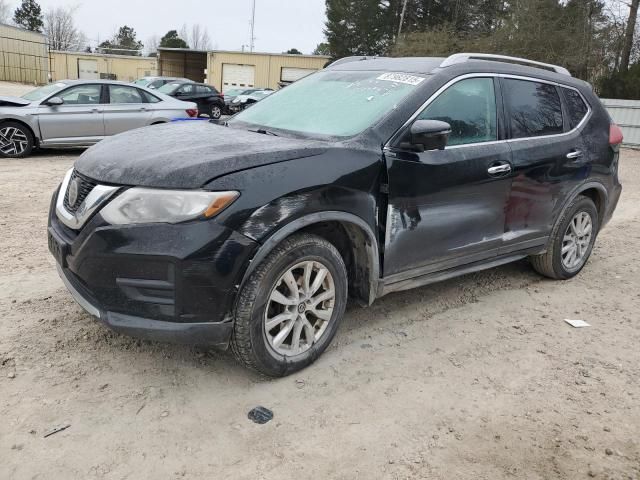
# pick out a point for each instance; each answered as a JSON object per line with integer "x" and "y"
{"x": 215, "y": 111}
{"x": 255, "y": 346}
{"x": 16, "y": 140}
{"x": 555, "y": 263}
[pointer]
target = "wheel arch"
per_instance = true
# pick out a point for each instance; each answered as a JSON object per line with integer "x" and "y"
{"x": 350, "y": 234}
{"x": 36, "y": 138}
{"x": 594, "y": 190}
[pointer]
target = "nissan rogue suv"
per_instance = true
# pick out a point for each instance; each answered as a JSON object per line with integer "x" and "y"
{"x": 371, "y": 176}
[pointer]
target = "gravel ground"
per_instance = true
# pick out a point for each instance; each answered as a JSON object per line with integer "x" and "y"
{"x": 478, "y": 377}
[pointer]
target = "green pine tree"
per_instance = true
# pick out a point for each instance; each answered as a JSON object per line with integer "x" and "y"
{"x": 172, "y": 40}
{"x": 29, "y": 15}
{"x": 123, "y": 43}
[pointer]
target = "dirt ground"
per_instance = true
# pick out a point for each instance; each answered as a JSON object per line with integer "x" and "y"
{"x": 475, "y": 378}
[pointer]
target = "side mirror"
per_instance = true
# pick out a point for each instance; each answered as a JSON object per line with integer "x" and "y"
{"x": 429, "y": 135}
{"x": 54, "y": 101}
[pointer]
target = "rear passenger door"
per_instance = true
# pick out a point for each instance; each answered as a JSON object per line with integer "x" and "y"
{"x": 548, "y": 155}
{"x": 127, "y": 109}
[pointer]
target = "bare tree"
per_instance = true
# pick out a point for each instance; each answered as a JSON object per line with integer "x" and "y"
{"x": 151, "y": 45}
{"x": 60, "y": 28}
{"x": 5, "y": 12}
{"x": 628, "y": 35}
{"x": 197, "y": 36}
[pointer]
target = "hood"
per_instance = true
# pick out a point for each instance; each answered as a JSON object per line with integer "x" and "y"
{"x": 186, "y": 154}
{"x": 13, "y": 102}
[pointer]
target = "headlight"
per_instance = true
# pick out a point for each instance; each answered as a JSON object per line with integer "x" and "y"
{"x": 150, "y": 205}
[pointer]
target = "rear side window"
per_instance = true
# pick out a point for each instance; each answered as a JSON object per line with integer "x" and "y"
{"x": 576, "y": 107}
{"x": 149, "y": 98}
{"x": 124, "y": 94}
{"x": 469, "y": 106}
{"x": 534, "y": 108}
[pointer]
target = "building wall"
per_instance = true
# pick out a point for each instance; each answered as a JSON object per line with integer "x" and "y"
{"x": 268, "y": 67}
{"x": 182, "y": 63}
{"x": 23, "y": 56}
{"x": 64, "y": 65}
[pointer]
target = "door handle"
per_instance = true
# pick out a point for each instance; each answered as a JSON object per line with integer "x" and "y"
{"x": 574, "y": 154}
{"x": 96, "y": 110}
{"x": 502, "y": 168}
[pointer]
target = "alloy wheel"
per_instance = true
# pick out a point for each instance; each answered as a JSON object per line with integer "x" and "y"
{"x": 576, "y": 241}
{"x": 13, "y": 141}
{"x": 299, "y": 308}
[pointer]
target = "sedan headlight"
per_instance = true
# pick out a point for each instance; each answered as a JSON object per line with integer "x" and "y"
{"x": 150, "y": 205}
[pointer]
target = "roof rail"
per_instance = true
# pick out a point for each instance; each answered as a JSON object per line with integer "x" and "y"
{"x": 465, "y": 57}
{"x": 357, "y": 58}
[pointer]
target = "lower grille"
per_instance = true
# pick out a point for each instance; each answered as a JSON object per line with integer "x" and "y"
{"x": 83, "y": 185}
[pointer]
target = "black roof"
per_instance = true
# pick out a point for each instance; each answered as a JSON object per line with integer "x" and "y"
{"x": 431, "y": 65}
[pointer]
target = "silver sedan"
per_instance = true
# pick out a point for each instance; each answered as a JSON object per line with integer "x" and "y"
{"x": 72, "y": 113}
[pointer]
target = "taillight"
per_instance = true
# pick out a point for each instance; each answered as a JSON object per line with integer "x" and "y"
{"x": 615, "y": 134}
{"x": 192, "y": 112}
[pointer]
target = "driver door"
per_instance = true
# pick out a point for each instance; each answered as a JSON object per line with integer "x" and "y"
{"x": 79, "y": 119}
{"x": 447, "y": 207}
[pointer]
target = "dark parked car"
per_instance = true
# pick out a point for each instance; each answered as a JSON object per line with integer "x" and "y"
{"x": 408, "y": 171}
{"x": 244, "y": 101}
{"x": 209, "y": 100}
{"x": 231, "y": 95}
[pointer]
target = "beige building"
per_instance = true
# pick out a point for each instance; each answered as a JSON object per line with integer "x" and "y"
{"x": 23, "y": 55}
{"x": 73, "y": 65}
{"x": 225, "y": 69}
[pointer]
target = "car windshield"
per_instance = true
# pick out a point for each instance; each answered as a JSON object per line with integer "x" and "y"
{"x": 331, "y": 103}
{"x": 43, "y": 92}
{"x": 169, "y": 87}
{"x": 143, "y": 82}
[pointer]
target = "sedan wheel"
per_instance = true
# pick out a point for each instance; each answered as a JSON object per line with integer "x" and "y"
{"x": 576, "y": 241}
{"x": 15, "y": 140}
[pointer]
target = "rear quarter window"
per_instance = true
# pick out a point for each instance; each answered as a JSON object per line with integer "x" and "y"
{"x": 576, "y": 107}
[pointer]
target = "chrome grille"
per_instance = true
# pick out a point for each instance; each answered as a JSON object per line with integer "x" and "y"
{"x": 85, "y": 185}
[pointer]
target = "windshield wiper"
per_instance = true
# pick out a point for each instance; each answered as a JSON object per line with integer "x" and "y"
{"x": 264, "y": 132}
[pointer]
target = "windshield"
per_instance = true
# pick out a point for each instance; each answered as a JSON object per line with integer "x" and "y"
{"x": 331, "y": 103}
{"x": 143, "y": 82}
{"x": 169, "y": 87}
{"x": 43, "y": 92}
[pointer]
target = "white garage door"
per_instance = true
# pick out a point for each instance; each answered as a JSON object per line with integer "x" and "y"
{"x": 292, "y": 74}
{"x": 237, "y": 76}
{"x": 88, "y": 69}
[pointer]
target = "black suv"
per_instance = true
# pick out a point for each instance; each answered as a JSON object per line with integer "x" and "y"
{"x": 369, "y": 177}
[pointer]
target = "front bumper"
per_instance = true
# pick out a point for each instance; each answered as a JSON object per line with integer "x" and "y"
{"x": 204, "y": 334}
{"x": 174, "y": 283}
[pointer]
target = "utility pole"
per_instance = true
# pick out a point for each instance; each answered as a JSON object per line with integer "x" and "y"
{"x": 404, "y": 9}
{"x": 253, "y": 23}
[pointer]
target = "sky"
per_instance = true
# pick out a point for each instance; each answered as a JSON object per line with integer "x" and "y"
{"x": 280, "y": 24}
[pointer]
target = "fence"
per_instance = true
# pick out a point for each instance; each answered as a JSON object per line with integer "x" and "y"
{"x": 24, "y": 56}
{"x": 626, "y": 113}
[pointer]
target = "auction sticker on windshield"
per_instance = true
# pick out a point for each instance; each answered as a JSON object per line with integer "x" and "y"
{"x": 401, "y": 78}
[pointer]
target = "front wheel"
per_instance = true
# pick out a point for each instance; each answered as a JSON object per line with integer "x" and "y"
{"x": 16, "y": 140}
{"x": 571, "y": 241}
{"x": 291, "y": 306}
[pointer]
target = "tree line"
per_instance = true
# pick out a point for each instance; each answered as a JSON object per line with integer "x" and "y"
{"x": 58, "y": 24}
{"x": 595, "y": 39}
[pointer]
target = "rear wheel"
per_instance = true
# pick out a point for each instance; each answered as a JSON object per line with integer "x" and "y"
{"x": 291, "y": 306}
{"x": 571, "y": 241}
{"x": 16, "y": 140}
{"x": 215, "y": 111}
